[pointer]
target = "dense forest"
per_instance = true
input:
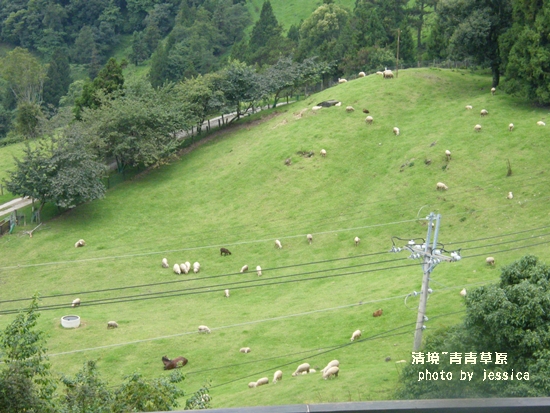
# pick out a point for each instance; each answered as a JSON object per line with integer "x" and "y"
{"x": 205, "y": 57}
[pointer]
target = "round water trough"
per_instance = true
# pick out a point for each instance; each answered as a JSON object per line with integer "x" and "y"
{"x": 70, "y": 321}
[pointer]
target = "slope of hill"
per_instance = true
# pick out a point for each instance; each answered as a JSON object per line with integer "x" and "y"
{"x": 235, "y": 191}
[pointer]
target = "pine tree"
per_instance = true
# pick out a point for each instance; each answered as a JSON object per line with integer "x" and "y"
{"x": 265, "y": 31}
{"x": 58, "y": 79}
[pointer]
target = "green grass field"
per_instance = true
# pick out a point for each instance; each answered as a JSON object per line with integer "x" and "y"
{"x": 235, "y": 191}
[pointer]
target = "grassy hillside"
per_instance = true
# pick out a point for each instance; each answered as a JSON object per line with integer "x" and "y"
{"x": 290, "y": 12}
{"x": 235, "y": 191}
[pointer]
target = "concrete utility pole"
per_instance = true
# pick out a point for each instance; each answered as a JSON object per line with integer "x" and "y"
{"x": 432, "y": 255}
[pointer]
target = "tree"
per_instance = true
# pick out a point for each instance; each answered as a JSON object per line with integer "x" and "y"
{"x": 511, "y": 317}
{"x": 84, "y": 45}
{"x": 27, "y": 119}
{"x": 58, "y": 78}
{"x": 140, "y": 50}
{"x": 473, "y": 28}
{"x": 266, "y": 41}
{"x": 159, "y": 63}
{"x": 57, "y": 170}
{"x": 26, "y": 384}
{"x": 526, "y": 52}
{"x": 24, "y": 74}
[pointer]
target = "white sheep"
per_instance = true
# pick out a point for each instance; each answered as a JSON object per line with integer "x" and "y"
{"x": 259, "y": 271}
{"x": 493, "y": 90}
{"x": 196, "y": 267}
{"x": 356, "y": 334}
{"x": 484, "y": 112}
{"x": 76, "y": 302}
{"x": 323, "y": 153}
{"x": 245, "y": 350}
{"x": 387, "y": 74}
{"x": 165, "y": 263}
{"x": 380, "y": 73}
{"x": 511, "y": 127}
{"x": 204, "y": 329}
{"x": 310, "y": 371}
{"x": 477, "y": 128}
{"x": 244, "y": 268}
{"x": 541, "y": 123}
{"x": 468, "y": 107}
{"x": 463, "y": 292}
{"x": 309, "y": 238}
{"x": 333, "y": 363}
{"x": 252, "y": 384}
{"x": 262, "y": 381}
{"x": 185, "y": 267}
{"x": 277, "y": 376}
{"x": 342, "y": 80}
{"x": 79, "y": 243}
{"x": 301, "y": 368}
{"x": 177, "y": 269}
{"x": 440, "y": 186}
{"x": 357, "y": 240}
{"x": 112, "y": 324}
{"x": 396, "y": 131}
{"x": 362, "y": 74}
{"x": 448, "y": 154}
{"x": 278, "y": 244}
{"x": 490, "y": 261}
{"x": 349, "y": 109}
{"x": 316, "y": 108}
{"x": 338, "y": 104}
{"x": 332, "y": 372}
{"x": 510, "y": 195}
{"x": 226, "y": 293}
{"x": 369, "y": 119}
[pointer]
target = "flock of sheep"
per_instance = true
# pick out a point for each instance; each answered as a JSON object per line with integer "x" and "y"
{"x": 331, "y": 370}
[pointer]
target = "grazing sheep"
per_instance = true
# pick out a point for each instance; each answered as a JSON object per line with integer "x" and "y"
{"x": 310, "y": 371}
{"x": 510, "y": 195}
{"x": 224, "y": 251}
{"x": 76, "y": 302}
{"x": 357, "y": 241}
{"x": 490, "y": 261}
{"x": 165, "y": 263}
{"x": 196, "y": 267}
{"x": 112, "y": 324}
{"x": 244, "y": 268}
{"x": 377, "y": 313}
{"x": 349, "y": 109}
{"x": 301, "y": 368}
{"x": 316, "y": 108}
{"x": 369, "y": 119}
{"x": 448, "y": 154}
{"x": 288, "y": 161}
{"x": 278, "y": 244}
{"x": 252, "y": 384}
{"x": 338, "y": 104}
{"x": 396, "y": 131}
{"x": 204, "y": 329}
{"x": 440, "y": 186}
{"x": 79, "y": 243}
{"x": 309, "y": 238}
{"x": 362, "y": 74}
{"x": 278, "y": 375}
{"x": 174, "y": 363}
{"x": 342, "y": 80}
{"x": 356, "y": 334}
{"x": 387, "y": 74}
{"x": 177, "y": 269}
{"x": 245, "y": 350}
{"x": 484, "y": 112}
{"x": 380, "y": 73}
{"x": 262, "y": 381}
{"x": 323, "y": 153}
{"x": 259, "y": 270}
{"x": 463, "y": 292}
{"x": 493, "y": 90}
{"x": 226, "y": 293}
{"x": 468, "y": 107}
{"x": 185, "y": 267}
{"x": 511, "y": 127}
{"x": 332, "y": 372}
{"x": 477, "y": 128}
{"x": 333, "y": 363}
{"x": 541, "y": 123}
{"x": 366, "y": 111}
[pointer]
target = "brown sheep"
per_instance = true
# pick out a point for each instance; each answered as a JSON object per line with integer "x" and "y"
{"x": 224, "y": 251}
{"x": 377, "y": 313}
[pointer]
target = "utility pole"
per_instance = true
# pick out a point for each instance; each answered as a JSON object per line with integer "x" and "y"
{"x": 397, "y": 62}
{"x": 432, "y": 255}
